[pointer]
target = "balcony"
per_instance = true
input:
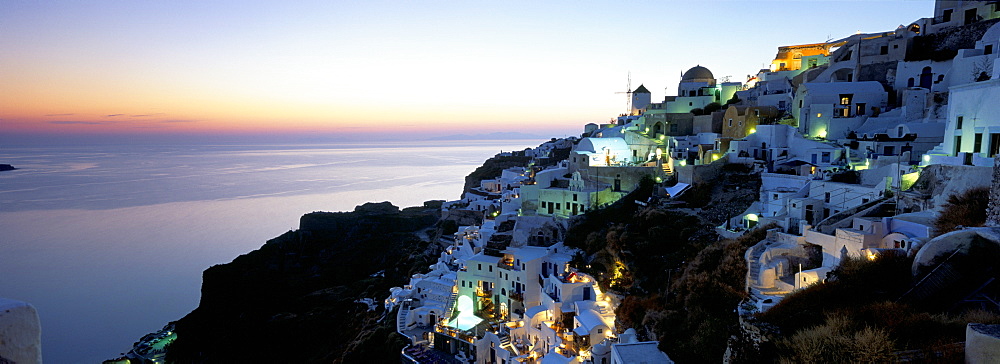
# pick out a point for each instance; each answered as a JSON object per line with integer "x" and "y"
{"x": 484, "y": 293}
{"x": 553, "y": 296}
{"x": 517, "y": 296}
{"x": 508, "y": 264}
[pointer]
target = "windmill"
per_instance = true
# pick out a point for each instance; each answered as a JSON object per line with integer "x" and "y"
{"x": 628, "y": 94}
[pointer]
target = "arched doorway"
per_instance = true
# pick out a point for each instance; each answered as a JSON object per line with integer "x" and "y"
{"x": 925, "y": 77}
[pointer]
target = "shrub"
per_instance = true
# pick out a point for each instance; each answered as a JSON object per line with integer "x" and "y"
{"x": 965, "y": 209}
{"x": 836, "y": 341}
{"x": 712, "y": 107}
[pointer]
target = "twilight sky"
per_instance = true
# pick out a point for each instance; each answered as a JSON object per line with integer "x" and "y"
{"x": 387, "y": 67}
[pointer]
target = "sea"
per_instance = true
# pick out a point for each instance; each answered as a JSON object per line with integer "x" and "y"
{"x": 108, "y": 242}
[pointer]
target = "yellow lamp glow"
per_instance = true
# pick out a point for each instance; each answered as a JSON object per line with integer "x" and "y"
{"x": 822, "y": 134}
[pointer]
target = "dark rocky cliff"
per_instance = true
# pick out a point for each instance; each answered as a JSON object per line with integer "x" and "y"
{"x": 294, "y": 299}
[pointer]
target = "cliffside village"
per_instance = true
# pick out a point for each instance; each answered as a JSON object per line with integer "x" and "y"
{"x": 839, "y": 130}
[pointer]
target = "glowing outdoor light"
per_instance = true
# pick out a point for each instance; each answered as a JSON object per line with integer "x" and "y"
{"x": 822, "y": 134}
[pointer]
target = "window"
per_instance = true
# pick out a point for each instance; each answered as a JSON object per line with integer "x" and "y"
{"x": 946, "y": 15}
{"x": 994, "y": 144}
{"x": 988, "y": 49}
{"x": 599, "y": 331}
{"x": 730, "y": 122}
{"x": 775, "y": 196}
{"x": 490, "y": 267}
{"x": 899, "y": 131}
{"x": 827, "y": 198}
{"x": 480, "y": 266}
{"x": 800, "y": 103}
{"x": 574, "y": 197}
{"x": 884, "y": 50}
{"x": 557, "y": 206}
{"x": 958, "y": 144}
{"x": 977, "y": 143}
{"x": 958, "y": 123}
{"x": 740, "y": 123}
{"x": 845, "y": 99}
{"x": 826, "y": 157}
{"x": 864, "y": 200}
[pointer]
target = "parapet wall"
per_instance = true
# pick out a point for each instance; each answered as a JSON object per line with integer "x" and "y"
{"x": 20, "y": 333}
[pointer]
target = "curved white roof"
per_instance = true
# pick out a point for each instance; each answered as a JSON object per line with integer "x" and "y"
{"x": 531, "y": 312}
{"x": 992, "y": 34}
{"x": 598, "y": 145}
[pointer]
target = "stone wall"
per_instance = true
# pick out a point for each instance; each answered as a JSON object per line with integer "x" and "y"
{"x": 993, "y": 212}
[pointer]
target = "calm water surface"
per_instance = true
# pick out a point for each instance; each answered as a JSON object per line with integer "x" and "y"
{"x": 109, "y": 242}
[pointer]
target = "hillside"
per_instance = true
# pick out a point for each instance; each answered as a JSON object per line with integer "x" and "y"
{"x": 294, "y": 299}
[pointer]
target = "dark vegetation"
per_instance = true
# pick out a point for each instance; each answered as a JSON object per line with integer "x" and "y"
{"x": 293, "y": 300}
{"x": 681, "y": 283}
{"x": 966, "y": 209}
{"x": 697, "y": 316}
{"x": 855, "y": 317}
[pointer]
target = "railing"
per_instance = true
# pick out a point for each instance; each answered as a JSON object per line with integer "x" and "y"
{"x": 553, "y": 296}
{"x": 508, "y": 265}
{"x": 484, "y": 292}
{"x": 517, "y": 296}
{"x": 455, "y": 333}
